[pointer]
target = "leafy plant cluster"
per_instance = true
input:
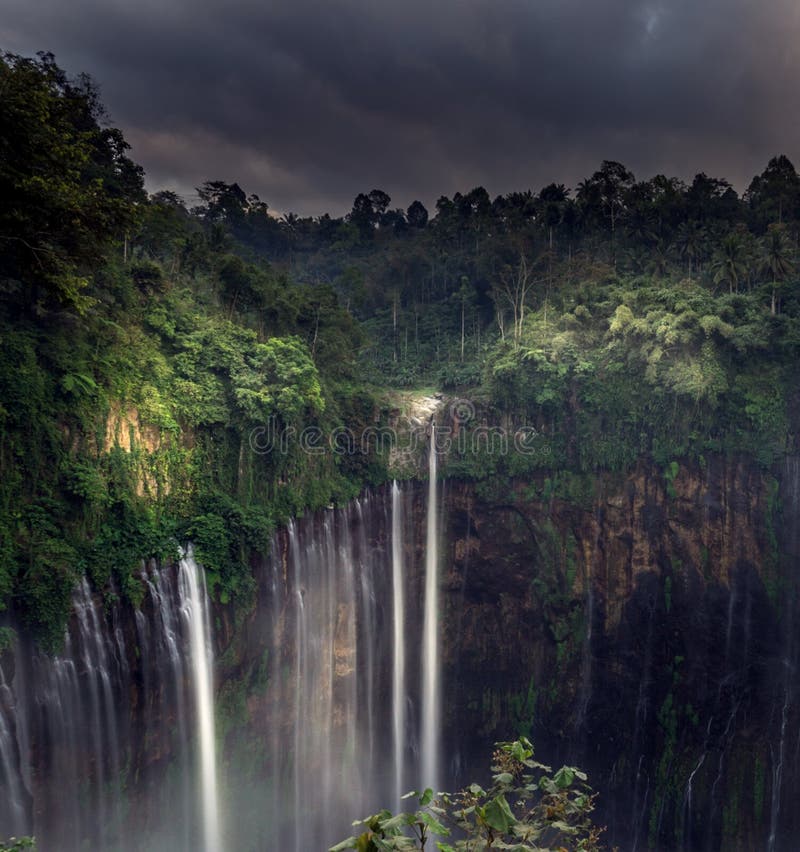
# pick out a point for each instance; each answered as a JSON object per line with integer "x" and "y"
{"x": 527, "y": 807}
{"x": 15, "y": 844}
{"x": 629, "y": 367}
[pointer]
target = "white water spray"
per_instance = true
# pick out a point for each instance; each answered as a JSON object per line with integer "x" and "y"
{"x": 399, "y": 657}
{"x": 194, "y": 602}
{"x": 431, "y": 698}
{"x": 777, "y": 769}
{"x": 13, "y": 809}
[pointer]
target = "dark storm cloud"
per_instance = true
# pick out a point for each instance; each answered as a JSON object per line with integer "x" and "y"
{"x": 309, "y": 102}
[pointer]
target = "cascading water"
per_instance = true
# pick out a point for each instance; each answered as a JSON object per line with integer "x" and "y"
{"x": 103, "y": 746}
{"x": 687, "y": 803}
{"x": 398, "y": 643}
{"x": 194, "y": 608}
{"x": 97, "y": 740}
{"x": 13, "y": 804}
{"x": 344, "y": 720}
{"x": 791, "y": 659}
{"x": 329, "y": 677}
{"x": 120, "y": 725}
{"x": 158, "y": 631}
{"x": 431, "y": 697}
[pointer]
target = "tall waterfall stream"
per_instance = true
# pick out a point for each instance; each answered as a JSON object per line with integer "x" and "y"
{"x": 120, "y": 725}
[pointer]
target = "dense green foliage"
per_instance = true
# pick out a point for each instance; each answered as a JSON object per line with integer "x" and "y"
{"x": 631, "y": 367}
{"x": 66, "y": 184}
{"x": 139, "y": 407}
{"x": 526, "y": 808}
{"x": 153, "y": 357}
{"x": 632, "y": 317}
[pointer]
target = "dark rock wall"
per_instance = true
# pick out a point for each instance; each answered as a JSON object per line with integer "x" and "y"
{"x": 642, "y": 627}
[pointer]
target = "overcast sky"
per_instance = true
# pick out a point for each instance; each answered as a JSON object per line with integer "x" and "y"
{"x": 308, "y": 102}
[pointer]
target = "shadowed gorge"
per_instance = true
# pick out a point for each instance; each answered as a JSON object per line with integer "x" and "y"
{"x": 551, "y": 625}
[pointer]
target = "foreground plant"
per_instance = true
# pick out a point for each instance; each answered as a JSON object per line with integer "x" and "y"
{"x": 15, "y": 844}
{"x": 526, "y": 808}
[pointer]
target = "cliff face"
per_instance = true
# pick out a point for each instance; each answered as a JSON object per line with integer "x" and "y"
{"x": 643, "y": 627}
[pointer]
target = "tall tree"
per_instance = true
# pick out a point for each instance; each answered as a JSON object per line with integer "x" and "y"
{"x": 514, "y": 286}
{"x": 777, "y": 259}
{"x": 417, "y": 215}
{"x": 67, "y": 184}
{"x": 712, "y": 199}
{"x": 730, "y": 262}
{"x": 551, "y": 204}
{"x": 689, "y": 240}
{"x": 774, "y": 195}
{"x": 607, "y": 189}
{"x": 367, "y": 212}
{"x": 223, "y": 202}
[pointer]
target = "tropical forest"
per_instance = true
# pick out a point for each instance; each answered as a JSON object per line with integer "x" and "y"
{"x": 321, "y": 532}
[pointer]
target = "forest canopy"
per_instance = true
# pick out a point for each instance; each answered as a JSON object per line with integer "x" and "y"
{"x": 144, "y": 340}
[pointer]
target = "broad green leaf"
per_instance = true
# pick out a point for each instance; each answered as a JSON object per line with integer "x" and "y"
{"x": 497, "y": 814}
{"x": 564, "y": 777}
{"x": 547, "y": 785}
{"x": 563, "y": 827}
{"x": 432, "y": 823}
{"x": 393, "y": 824}
{"x": 520, "y": 752}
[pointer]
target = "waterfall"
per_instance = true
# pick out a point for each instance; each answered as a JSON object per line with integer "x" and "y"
{"x": 110, "y": 744}
{"x": 790, "y": 494}
{"x": 687, "y": 804}
{"x": 116, "y": 731}
{"x": 165, "y": 687}
{"x": 194, "y": 600}
{"x": 431, "y": 699}
{"x": 398, "y": 646}
{"x": 366, "y": 646}
{"x": 95, "y": 657}
{"x": 321, "y": 606}
{"x": 97, "y": 739}
{"x": 12, "y": 804}
{"x": 778, "y": 761}
{"x": 340, "y": 634}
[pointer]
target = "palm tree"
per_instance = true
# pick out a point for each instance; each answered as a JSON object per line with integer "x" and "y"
{"x": 776, "y": 258}
{"x": 551, "y": 203}
{"x": 605, "y": 192}
{"x": 658, "y": 262}
{"x": 689, "y": 240}
{"x": 730, "y": 262}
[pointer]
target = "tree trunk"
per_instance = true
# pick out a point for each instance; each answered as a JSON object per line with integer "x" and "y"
{"x": 394, "y": 329}
{"x": 462, "y": 330}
